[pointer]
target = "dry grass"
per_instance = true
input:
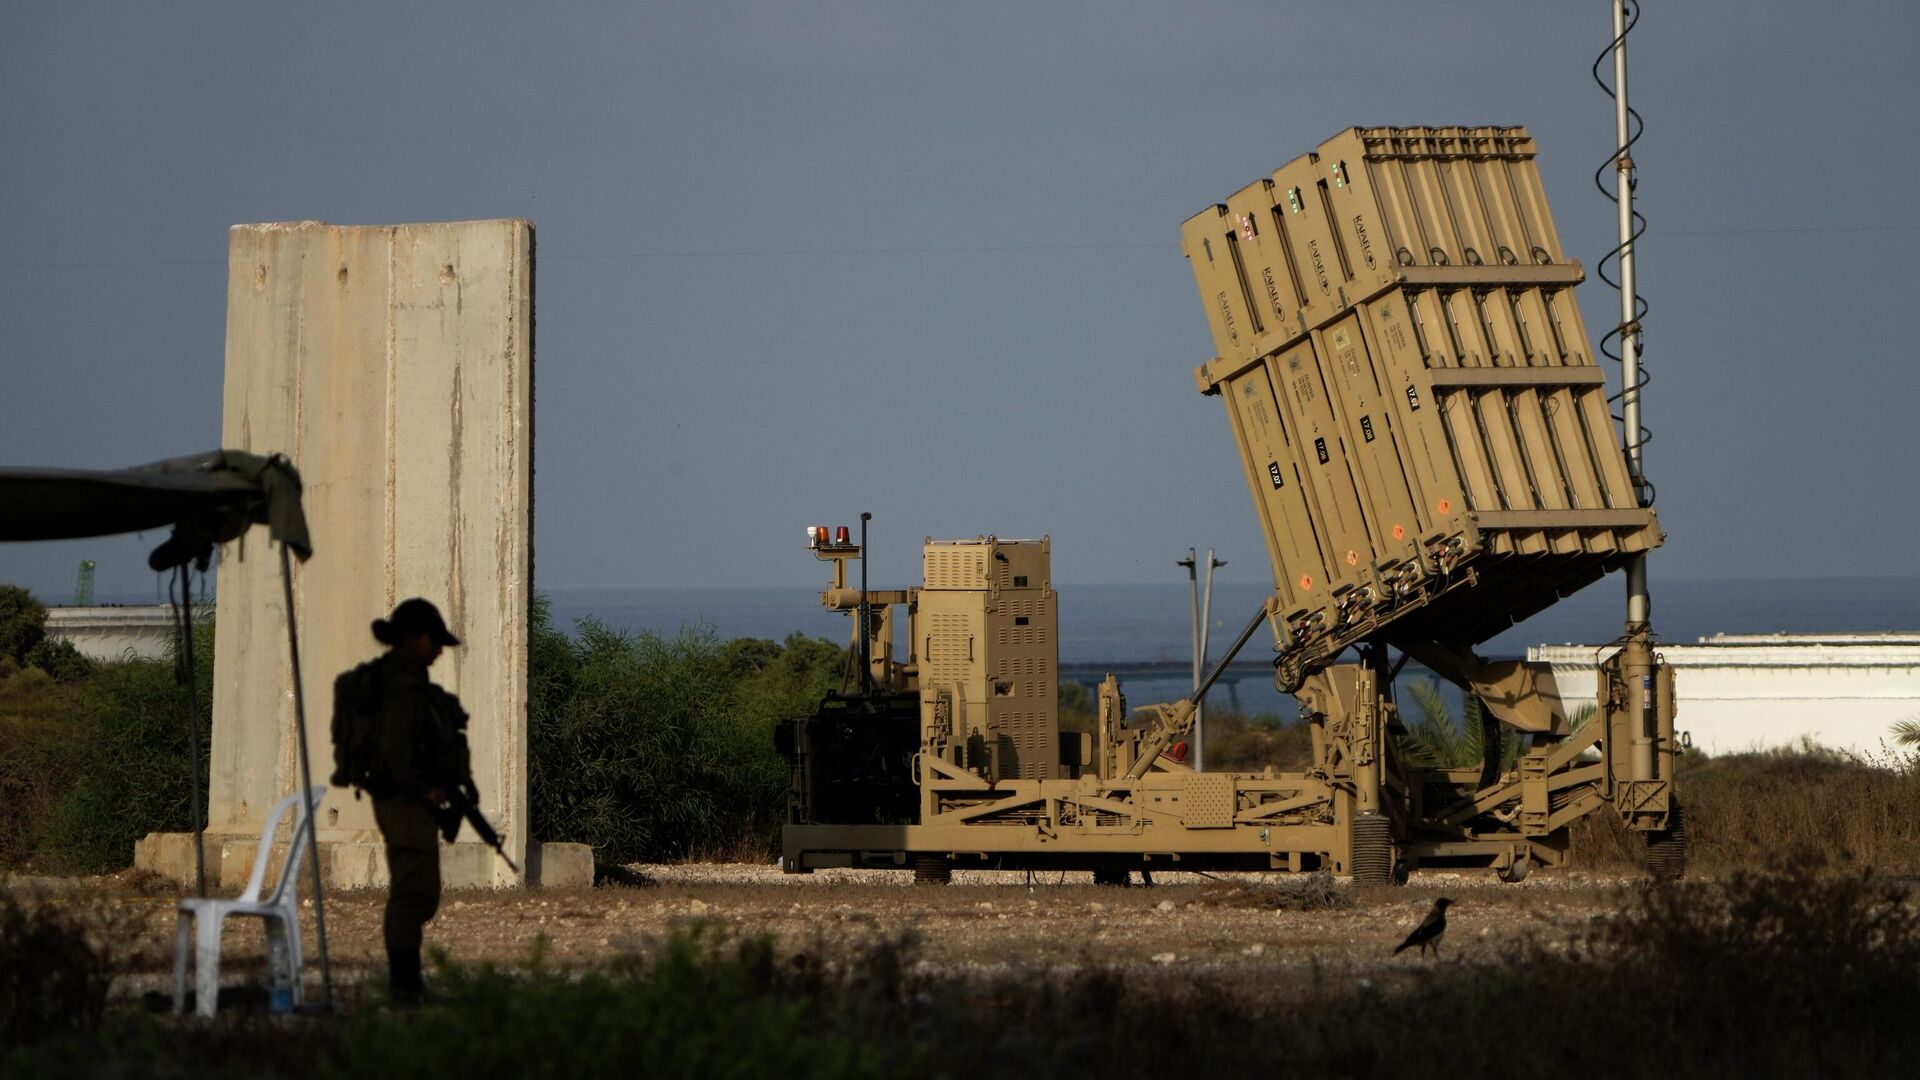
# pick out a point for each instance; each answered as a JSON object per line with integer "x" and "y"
{"x": 1309, "y": 892}
{"x": 1743, "y": 810}
{"x": 1752, "y": 809}
{"x": 1798, "y": 972}
{"x": 1755, "y": 809}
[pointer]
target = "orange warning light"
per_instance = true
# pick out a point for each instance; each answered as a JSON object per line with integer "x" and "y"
{"x": 1306, "y": 582}
{"x": 1399, "y": 532}
{"x": 1445, "y": 506}
{"x": 1353, "y": 557}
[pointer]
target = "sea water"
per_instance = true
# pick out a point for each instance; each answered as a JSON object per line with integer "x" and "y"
{"x": 1145, "y": 630}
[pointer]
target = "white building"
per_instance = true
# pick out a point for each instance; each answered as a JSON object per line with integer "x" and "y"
{"x": 1753, "y": 691}
{"x": 115, "y": 633}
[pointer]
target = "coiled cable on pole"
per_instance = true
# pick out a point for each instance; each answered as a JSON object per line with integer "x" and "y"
{"x": 1615, "y": 344}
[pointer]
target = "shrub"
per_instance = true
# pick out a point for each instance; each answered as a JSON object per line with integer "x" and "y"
{"x": 23, "y": 623}
{"x": 40, "y": 730}
{"x": 774, "y": 681}
{"x": 1238, "y": 742}
{"x": 1751, "y": 809}
{"x": 1079, "y": 707}
{"x": 651, "y": 747}
{"x": 60, "y": 660}
{"x": 89, "y": 767}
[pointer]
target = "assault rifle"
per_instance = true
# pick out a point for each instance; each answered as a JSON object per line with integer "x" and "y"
{"x": 463, "y": 804}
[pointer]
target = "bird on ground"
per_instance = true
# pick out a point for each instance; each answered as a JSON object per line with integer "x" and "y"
{"x": 1429, "y": 932}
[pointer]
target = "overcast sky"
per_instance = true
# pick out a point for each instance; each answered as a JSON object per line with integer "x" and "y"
{"x": 800, "y": 261}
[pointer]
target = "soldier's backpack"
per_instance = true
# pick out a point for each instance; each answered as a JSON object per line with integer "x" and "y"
{"x": 358, "y": 696}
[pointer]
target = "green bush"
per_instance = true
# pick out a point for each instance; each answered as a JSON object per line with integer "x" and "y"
{"x": 1242, "y": 742}
{"x": 1079, "y": 707}
{"x": 647, "y": 747}
{"x": 23, "y": 622}
{"x": 88, "y": 768}
{"x": 60, "y": 660}
{"x": 651, "y": 747}
{"x": 38, "y": 758}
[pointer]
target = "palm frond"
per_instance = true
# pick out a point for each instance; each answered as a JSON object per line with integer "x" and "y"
{"x": 1907, "y": 732}
{"x": 1433, "y": 740}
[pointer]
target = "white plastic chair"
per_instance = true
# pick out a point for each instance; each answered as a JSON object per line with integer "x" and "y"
{"x": 279, "y": 911}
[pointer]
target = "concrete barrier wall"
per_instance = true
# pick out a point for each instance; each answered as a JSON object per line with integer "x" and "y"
{"x": 393, "y": 364}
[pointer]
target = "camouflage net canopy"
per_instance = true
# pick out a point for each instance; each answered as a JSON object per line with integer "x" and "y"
{"x": 206, "y": 498}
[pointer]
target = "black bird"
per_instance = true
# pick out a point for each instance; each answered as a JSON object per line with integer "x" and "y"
{"x": 1429, "y": 932}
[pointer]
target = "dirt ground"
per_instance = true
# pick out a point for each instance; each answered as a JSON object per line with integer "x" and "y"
{"x": 1239, "y": 925}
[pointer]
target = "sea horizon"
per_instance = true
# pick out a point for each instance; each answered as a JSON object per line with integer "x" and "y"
{"x": 1144, "y": 623}
{"x": 1151, "y": 623}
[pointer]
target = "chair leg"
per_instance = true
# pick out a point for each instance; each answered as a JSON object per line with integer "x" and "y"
{"x": 294, "y": 959}
{"x": 182, "y": 942}
{"x": 206, "y": 972}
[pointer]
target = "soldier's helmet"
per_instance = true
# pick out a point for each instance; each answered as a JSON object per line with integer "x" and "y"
{"x": 410, "y": 617}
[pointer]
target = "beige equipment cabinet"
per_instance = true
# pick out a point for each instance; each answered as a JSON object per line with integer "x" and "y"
{"x": 1426, "y": 436}
{"x": 990, "y": 655}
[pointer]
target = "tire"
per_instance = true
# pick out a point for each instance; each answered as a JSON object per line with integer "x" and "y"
{"x": 1113, "y": 876}
{"x": 1517, "y": 872}
{"x": 1667, "y": 848}
{"x": 1372, "y": 855}
{"x": 931, "y": 870}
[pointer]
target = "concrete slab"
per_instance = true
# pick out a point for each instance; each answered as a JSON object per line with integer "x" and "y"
{"x": 171, "y": 855}
{"x": 557, "y": 866}
{"x": 393, "y": 364}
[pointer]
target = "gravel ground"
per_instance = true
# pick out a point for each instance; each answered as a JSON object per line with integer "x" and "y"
{"x": 1246, "y": 926}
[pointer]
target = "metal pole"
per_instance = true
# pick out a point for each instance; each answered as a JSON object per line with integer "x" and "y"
{"x": 1639, "y": 665}
{"x": 192, "y": 674}
{"x": 1206, "y": 628}
{"x": 1639, "y": 601}
{"x": 306, "y": 781}
{"x": 1218, "y": 669}
{"x": 1191, "y": 562}
{"x": 866, "y": 632}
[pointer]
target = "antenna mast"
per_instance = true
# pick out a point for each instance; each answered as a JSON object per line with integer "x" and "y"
{"x": 1639, "y": 599}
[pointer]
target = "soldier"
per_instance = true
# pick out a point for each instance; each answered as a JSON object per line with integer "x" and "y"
{"x": 419, "y": 759}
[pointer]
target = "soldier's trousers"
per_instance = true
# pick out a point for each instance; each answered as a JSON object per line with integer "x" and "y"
{"x": 413, "y": 864}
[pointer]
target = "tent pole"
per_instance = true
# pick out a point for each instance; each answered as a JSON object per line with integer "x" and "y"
{"x": 190, "y": 675}
{"x": 306, "y": 779}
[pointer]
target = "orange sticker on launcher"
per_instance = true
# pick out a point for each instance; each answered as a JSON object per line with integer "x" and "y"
{"x": 1399, "y": 532}
{"x": 1444, "y": 506}
{"x": 1306, "y": 582}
